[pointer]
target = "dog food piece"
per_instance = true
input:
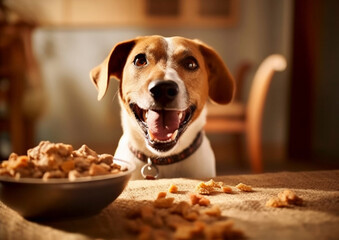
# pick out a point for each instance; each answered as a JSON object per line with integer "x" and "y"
{"x": 202, "y": 188}
{"x": 198, "y": 199}
{"x": 95, "y": 170}
{"x": 82, "y": 164}
{"x": 204, "y": 202}
{"x": 195, "y": 198}
{"x": 276, "y": 202}
{"x": 157, "y": 221}
{"x": 16, "y": 162}
{"x": 74, "y": 174}
{"x": 244, "y": 188}
{"x": 147, "y": 213}
{"x": 222, "y": 230}
{"x": 58, "y": 160}
{"x": 67, "y": 165}
{"x": 216, "y": 185}
{"x": 173, "y": 188}
{"x": 49, "y": 155}
{"x": 16, "y": 166}
{"x": 85, "y": 151}
{"x": 108, "y": 159}
{"x": 185, "y": 232}
{"x": 207, "y": 188}
{"x": 227, "y": 189}
{"x": 161, "y": 195}
{"x": 49, "y": 149}
{"x": 116, "y": 166}
{"x": 115, "y": 171}
{"x": 213, "y": 211}
{"x": 163, "y": 202}
{"x": 145, "y": 232}
{"x": 26, "y": 172}
{"x": 180, "y": 208}
{"x": 191, "y": 215}
{"x": 53, "y": 174}
{"x": 173, "y": 221}
{"x": 199, "y": 227}
{"x": 290, "y": 197}
{"x": 285, "y": 199}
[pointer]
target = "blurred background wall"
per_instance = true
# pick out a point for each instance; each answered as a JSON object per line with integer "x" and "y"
{"x": 71, "y": 37}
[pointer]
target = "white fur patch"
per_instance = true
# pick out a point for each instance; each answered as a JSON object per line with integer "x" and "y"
{"x": 172, "y": 74}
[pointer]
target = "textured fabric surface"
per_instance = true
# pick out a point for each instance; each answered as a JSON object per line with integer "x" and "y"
{"x": 317, "y": 219}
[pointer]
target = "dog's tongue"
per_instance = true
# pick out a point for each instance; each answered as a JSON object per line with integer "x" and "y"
{"x": 162, "y": 124}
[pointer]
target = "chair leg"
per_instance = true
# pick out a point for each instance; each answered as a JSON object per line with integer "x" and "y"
{"x": 254, "y": 146}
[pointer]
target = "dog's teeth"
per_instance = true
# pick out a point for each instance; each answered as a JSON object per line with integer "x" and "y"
{"x": 145, "y": 115}
{"x": 180, "y": 116}
{"x": 151, "y": 136}
{"x": 174, "y": 135}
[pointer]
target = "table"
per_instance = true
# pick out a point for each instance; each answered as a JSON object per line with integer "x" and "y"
{"x": 317, "y": 219}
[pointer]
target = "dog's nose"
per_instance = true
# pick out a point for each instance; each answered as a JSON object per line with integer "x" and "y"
{"x": 163, "y": 91}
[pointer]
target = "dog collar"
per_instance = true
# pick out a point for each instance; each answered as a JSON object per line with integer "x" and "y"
{"x": 172, "y": 158}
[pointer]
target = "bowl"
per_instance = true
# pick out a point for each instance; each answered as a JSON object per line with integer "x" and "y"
{"x": 60, "y": 198}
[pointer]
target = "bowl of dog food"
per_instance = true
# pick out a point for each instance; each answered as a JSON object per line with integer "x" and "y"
{"x": 56, "y": 181}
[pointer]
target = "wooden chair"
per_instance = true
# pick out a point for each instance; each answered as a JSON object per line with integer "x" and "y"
{"x": 238, "y": 117}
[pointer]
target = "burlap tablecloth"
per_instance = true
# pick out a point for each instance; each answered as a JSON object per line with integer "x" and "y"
{"x": 317, "y": 219}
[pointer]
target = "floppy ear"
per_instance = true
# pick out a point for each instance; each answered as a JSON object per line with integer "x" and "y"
{"x": 112, "y": 66}
{"x": 220, "y": 81}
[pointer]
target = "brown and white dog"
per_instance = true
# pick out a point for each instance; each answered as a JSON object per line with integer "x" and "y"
{"x": 164, "y": 86}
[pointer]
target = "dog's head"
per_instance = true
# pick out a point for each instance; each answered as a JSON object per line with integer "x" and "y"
{"x": 164, "y": 84}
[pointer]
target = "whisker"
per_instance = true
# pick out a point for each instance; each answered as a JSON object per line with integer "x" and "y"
{"x": 115, "y": 95}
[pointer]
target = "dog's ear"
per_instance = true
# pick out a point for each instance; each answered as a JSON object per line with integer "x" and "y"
{"x": 220, "y": 81}
{"x": 112, "y": 66}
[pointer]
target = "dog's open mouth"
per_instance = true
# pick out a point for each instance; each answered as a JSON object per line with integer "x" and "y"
{"x": 162, "y": 128}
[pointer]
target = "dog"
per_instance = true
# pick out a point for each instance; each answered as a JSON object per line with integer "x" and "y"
{"x": 164, "y": 86}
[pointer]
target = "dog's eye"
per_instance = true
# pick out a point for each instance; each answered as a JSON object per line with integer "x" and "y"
{"x": 140, "y": 60}
{"x": 190, "y": 63}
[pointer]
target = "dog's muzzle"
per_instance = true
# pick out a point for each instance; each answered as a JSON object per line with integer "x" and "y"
{"x": 162, "y": 124}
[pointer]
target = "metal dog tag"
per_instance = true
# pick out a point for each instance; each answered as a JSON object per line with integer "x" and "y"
{"x": 150, "y": 170}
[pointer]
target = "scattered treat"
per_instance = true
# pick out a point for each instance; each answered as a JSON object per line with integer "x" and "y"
{"x": 189, "y": 231}
{"x": 161, "y": 195}
{"x": 284, "y": 199}
{"x": 214, "y": 211}
{"x": 244, "y": 188}
{"x": 276, "y": 202}
{"x": 180, "y": 208}
{"x": 227, "y": 189}
{"x": 163, "y": 202}
{"x": 198, "y": 199}
{"x": 290, "y": 197}
{"x": 207, "y": 188}
{"x": 147, "y": 213}
{"x": 222, "y": 230}
{"x": 180, "y": 221}
{"x": 204, "y": 202}
{"x": 173, "y": 188}
{"x": 173, "y": 221}
{"x": 195, "y": 198}
{"x": 58, "y": 160}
